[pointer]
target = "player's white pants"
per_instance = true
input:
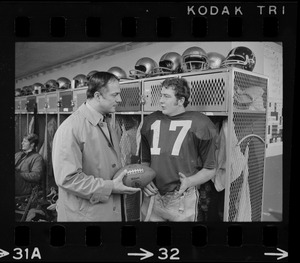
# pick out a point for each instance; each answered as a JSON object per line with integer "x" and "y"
{"x": 171, "y": 207}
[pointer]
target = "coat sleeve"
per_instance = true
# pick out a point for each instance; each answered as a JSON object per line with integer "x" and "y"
{"x": 36, "y": 169}
{"x": 67, "y": 167}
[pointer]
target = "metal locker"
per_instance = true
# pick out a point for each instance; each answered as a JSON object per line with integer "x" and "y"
{"x": 52, "y": 100}
{"x": 79, "y": 97}
{"x": 41, "y": 103}
{"x": 130, "y": 95}
{"x": 65, "y": 101}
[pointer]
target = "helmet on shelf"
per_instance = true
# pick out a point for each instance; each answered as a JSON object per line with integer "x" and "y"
{"x": 64, "y": 83}
{"x": 143, "y": 68}
{"x": 28, "y": 90}
{"x": 241, "y": 57}
{"x": 118, "y": 72}
{"x": 169, "y": 63}
{"x": 89, "y": 75}
{"x": 51, "y": 85}
{"x": 18, "y": 92}
{"x": 194, "y": 59}
{"x": 80, "y": 81}
{"x": 215, "y": 59}
{"x": 37, "y": 88}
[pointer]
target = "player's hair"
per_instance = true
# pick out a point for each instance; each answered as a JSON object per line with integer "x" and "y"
{"x": 180, "y": 86}
{"x": 32, "y": 138}
{"x": 98, "y": 82}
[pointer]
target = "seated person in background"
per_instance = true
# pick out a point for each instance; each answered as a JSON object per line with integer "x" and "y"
{"x": 29, "y": 166}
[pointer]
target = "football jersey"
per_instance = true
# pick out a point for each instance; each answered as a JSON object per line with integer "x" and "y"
{"x": 183, "y": 143}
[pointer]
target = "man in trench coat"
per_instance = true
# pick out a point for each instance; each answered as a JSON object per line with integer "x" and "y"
{"x": 86, "y": 156}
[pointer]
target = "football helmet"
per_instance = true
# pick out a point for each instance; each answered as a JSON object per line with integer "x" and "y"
{"x": 37, "y": 88}
{"x": 24, "y": 91}
{"x": 80, "y": 81}
{"x": 143, "y": 68}
{"x": 215, "y": 59}
{"x": 194, "y": 59}
{"x": 169, "y": 63}
{"x": 64, "y": 83}
{"x": 118, "y": 72}
{"x": 51, "y": 85}
{"x": 17, "y": 92}
{"x": 88, "y": 76}
{"x": 241, "y": 57}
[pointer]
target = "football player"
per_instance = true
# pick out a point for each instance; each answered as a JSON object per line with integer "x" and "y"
{"x": 180, "y": 146}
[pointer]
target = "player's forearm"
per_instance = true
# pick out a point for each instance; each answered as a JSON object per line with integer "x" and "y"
{"x": 201, "y": 177}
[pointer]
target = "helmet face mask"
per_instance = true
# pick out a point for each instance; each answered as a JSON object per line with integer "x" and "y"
{"x": 194, "y": 64}
{"x": 144, "y": 68}
{"x": 64, "y": 83}
{"x": 240, "y": 57}
{"x": 37, "y": 88}
{"x": 194, "y": 59}
{"x": 170, "y": 63}
{"x": 80, "y": 81}
{"x": 18, "y": 92}
{"x": 51, "y": 85}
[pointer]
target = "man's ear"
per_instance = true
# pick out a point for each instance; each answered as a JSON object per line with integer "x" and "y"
{"x": 97, "y": 94}
{"x": 181, "y": 101}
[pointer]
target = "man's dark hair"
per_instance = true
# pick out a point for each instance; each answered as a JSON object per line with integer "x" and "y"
{"x": 98, "y": 82}
{"x": 181, "y": 88}
{"x": 32, "y": 138}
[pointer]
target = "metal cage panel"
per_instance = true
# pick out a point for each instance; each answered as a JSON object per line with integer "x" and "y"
{"x": 79, "y": 96}
{"x": 52, "y": 100}
{"x": 247, "y": 152}
{"x": 23, "y": 103}
{"x": 152, "y": 91}
{"x": 131, "y": 96}
{"x": 66, "y": 101}
{"x": 41, "y": 103}
{"x": 17, "y": 104}
{"x": 208, "y": 92}
{"x": 250, "y": 92}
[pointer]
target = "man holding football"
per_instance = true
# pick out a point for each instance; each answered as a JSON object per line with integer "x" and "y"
{"x": 180, "y": 146}
{"x": 86, "y": 156}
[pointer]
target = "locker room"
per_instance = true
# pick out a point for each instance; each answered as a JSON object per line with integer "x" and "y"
{"x": 243, "y": 101}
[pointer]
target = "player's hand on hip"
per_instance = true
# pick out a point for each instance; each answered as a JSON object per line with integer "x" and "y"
{"x": 120, "y": 188}
{"x": 184, "y": 183}
{"x": 150, "y": 189}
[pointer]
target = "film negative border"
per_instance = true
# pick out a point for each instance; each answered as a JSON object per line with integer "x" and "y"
{"x": 178, "y": 21}
{"x": 57, "y": 22}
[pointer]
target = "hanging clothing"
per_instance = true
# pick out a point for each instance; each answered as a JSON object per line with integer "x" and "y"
{"x": 243, "y": 201}
{"x": 31, "y": 125}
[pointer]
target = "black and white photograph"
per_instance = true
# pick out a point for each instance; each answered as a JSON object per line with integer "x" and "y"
{"x": 149, "y": 131}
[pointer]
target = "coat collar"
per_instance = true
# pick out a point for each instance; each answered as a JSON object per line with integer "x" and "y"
{"x": 90, "y": 114}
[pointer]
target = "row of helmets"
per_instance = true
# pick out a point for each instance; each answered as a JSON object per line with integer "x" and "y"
{"x": 62, "y": 83}
{"x": 192, "y": 59}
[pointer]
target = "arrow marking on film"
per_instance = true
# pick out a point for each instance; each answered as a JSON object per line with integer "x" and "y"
{"x": 3, "y": 253}
{"x": 282, "y": 255}
{"x": 146, "y": 254}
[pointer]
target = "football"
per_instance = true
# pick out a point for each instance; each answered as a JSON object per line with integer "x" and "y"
{"x": 138, "y": 175}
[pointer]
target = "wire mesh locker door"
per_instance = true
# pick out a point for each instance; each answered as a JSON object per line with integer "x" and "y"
{"x": 208, "y": 92}
{"x": 131, "y": 97}
{"x": 247, "y": 131}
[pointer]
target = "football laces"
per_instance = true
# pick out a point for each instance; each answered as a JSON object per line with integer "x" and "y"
{"x": 135, "y": 171}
